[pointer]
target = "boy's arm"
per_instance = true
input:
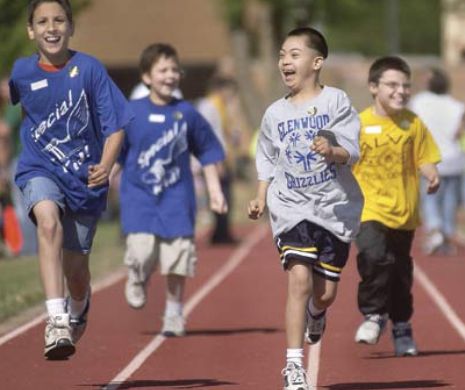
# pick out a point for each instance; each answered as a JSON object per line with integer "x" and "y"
{"x": 217, "y": 201}
{"x": 99, "y": 173}
{"x": 257, "y": 205}
{"x": 331, "y": 153}
{"x": 430, "y": 172}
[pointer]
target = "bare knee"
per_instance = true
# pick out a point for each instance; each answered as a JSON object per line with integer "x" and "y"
{"x": 49, "y": 228}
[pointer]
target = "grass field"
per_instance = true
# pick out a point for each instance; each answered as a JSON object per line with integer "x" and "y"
{"x": 20, "y": 286}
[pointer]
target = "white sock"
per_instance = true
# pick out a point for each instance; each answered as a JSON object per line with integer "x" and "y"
{"x": 314, "y": 311}
{"x": 77, "y": 307}
{"x": 295, "y": 355}
{"x": 55, "y": 306}
{"x": 173, "y": 308}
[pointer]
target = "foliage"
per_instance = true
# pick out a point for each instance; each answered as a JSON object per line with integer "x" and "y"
{"x": 15, "y": 42}
{"x": 361, "y": 26}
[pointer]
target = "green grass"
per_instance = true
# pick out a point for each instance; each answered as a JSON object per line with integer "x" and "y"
{"x": 20, "y": 286}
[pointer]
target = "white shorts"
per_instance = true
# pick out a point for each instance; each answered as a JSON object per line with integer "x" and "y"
{"x": 174, "y": 256}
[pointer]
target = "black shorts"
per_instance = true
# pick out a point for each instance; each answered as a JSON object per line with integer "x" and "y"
{"x": 312, "y": 244}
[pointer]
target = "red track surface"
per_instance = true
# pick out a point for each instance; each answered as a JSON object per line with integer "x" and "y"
{"x": 236, "y": 337}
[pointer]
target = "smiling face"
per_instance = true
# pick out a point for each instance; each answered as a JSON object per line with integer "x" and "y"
{"x": 299, "y": 64}
{"x": 392, "y": 92}
{"x": 51, "y": 30}
{"x": 163, "y": 79}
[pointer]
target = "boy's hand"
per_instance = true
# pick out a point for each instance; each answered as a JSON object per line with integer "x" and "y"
{"x": 98, "y": 175}
{"x": 433, "y": 184}
{"x": 322, "y": 146}
{"x": 218, "y": 203}
{"x": 256, "y": 208}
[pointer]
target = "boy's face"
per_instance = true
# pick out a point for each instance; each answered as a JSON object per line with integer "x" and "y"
{"x": 298, "y": 63}
{"x": 51, "y": 30}
{"x": 163, "y": 78}
{"x": 392, "y": 92}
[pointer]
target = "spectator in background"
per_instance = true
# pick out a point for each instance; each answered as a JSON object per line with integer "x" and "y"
{"x": 444, "y": 117}
{"x": 214, "y": 107}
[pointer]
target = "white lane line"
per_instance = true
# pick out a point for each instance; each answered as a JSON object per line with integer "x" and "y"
{"x": 112, "y": 279}
{"x": 236, "y": 258}
{"x": 313, "y": 366}
{"x": 440, "y": 301}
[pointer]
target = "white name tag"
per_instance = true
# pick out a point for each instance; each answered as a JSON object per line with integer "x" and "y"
{"x": 373, "y": 130}
{"x": 39, "y": 85}
{"x": 156, "y": 118}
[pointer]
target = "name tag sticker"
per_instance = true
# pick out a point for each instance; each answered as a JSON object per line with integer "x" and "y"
{"x": 39, "y": 85}
{"x": 373, "y": 130}
{"x": 157, "y": 118}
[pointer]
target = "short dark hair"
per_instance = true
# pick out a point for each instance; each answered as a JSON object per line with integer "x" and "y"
{"x": 438, "y": 82}
{"x": 383, "y": 64}
{"x": 315, "y": 39}
{"x": 33, "y": 4}
{"x": 152, "y": 54}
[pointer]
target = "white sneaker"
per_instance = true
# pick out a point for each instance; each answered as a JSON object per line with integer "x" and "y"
{"x": 371, "y": 329}
{"x": 173, "y": 326}
{"x": 135, "y": 289}
{"x": 295, "y": 377}
{"x": 402, "y": 337}
{"x": 58, "y": 340}
{"x": 315, "y": 327}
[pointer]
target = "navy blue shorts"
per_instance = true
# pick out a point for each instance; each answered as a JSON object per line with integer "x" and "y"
{"x": 312, "y": 244}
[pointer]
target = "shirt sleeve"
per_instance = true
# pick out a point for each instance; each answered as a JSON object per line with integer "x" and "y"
{"x": 14, "y": 93}
{"x": 426, "y": 150}
{"x": 203, "y": 142}
{"x": 267, "y": 154}
{"x": 112, "y": 107}
{"x": 346, "y": 128}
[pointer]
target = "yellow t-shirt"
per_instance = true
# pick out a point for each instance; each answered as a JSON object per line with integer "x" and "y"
{"x": 391, "y": 151}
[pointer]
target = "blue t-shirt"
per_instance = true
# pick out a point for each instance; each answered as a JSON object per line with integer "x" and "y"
{"x": 67, "y": 116}
{"x": 157, "y": 190}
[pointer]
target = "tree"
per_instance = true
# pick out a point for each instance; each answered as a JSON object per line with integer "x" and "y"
{"x": 13, "y": 20}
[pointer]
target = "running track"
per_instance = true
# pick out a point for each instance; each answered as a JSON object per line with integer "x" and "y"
{"x": 235, "y": 334}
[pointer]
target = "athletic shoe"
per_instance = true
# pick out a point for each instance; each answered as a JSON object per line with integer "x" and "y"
{"x": 78, "y": 324}
{"x": 315, "y": 327}
{"x": 371, "y": 329}
{"x": 58, "y": 341}
{"x": 173, "y": 326}
{"x": 295, "y": 377}
{"x": 403, "y": 339}
{"x": 135, "y": 289}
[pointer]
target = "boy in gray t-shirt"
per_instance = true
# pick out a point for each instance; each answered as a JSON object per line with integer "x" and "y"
{"x": 308, "y": 141}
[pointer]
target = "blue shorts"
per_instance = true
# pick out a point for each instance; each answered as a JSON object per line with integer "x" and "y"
{"x": 310, "y": 243}
{"x": 78, "y": 229}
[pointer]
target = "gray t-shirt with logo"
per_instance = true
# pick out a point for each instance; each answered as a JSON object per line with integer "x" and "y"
{"x": 303, "y": 186}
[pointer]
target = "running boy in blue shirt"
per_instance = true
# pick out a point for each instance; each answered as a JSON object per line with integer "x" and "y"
{"x": 157, "y": 197}
{"x": 71, "y": 136}
{"x": 307, "y": 143}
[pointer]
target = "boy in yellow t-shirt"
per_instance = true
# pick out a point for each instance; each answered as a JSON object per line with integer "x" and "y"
{"x": 395, "y": 148}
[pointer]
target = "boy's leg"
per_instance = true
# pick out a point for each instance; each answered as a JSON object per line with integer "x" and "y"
{"x": 178, "y": 260}
{"x": 173, "y": 319}
{"x": 324, "y": 294}
{"x": 375, "y": 269}
{"x": 79, "y": 231}
{"x": 44, "y": 203}
{"x": 402, "y": 299}
{"x": 298, "y": 292}
{"x": 140, "y": 260}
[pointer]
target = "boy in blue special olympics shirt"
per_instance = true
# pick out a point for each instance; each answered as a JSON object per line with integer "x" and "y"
{"x": 71, "y": 136}
{"x": 157, "y": 190}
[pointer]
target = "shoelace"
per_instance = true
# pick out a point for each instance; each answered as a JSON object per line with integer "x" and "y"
{"x": 295, "y": 374}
